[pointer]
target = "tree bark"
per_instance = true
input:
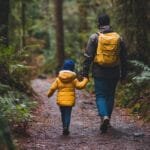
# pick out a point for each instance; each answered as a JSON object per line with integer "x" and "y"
{"x": 83, "y": 7}
{"x": 15, "y": 25}
{"x": 4, "y": 21}
{"x": 133, "y": 18}
{"x": 142, "y": 30}
{"x": 60, "y": 53}
{"x": 23, "y": 22}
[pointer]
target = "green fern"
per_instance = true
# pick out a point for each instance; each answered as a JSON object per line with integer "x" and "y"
{"x": 135, "y": 94}
{"x": 143, "y": 74}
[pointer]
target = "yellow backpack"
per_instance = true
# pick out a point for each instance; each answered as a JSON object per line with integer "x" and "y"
{"x": 107, "y": 53}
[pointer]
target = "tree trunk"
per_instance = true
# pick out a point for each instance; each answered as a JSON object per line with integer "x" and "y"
{"x": 83, "y": 7}
{"x": 4, "y": 20}
{"x": 15, "y": 25}
{"x": 23, "y": 22}
{"x": 142, "y": 30}
{"x": 46, "y": 7}
{"x": 59, "y": 32}
{"x": 133, "y": 19}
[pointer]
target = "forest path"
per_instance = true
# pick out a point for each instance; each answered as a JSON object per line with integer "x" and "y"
{"x": 46, "y": 131}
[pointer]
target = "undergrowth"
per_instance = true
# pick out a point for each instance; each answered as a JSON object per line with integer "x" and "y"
{"x": 135, "y": 94}
{"x": 16, "y": 104}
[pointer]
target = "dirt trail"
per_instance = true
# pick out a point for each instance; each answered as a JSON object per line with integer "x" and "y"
{"x": 46, "y": 131}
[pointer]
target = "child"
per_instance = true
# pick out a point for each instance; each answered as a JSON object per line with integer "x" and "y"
{"x": 65, "y": 83}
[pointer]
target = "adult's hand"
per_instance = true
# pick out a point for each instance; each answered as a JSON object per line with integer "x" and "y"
{"x": 79, "y": 77}
{"x": 123, "y": 81}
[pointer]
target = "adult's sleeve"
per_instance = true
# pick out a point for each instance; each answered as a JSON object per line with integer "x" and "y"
{"x": 89, "y": 54}
{"x": 123, "y": 60}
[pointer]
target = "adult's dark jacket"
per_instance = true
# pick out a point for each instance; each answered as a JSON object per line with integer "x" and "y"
{"x": 117, "y": 72}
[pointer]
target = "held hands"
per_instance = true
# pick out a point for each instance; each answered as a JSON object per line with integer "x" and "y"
{"x": 80, "y": 76}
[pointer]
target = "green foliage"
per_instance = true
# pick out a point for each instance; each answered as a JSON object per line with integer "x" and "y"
{"x": 5, "y": 135}
{"x": 90, "y": 86}
{"x": 143, "y": 76}
{"x": 126, "y": 93}
{"x": 13, "y": 69}
{"x": 6, "y": 54}
{"x": 4, "y": 88}
{"x": 20, "y": 76}
{"x": 131, "y": 18}
{"x": 50, "y": 63}
{"x": 136, "y": 93}
{"x": 16, "y": 108}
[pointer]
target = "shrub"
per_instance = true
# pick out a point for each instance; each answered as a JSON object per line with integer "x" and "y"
{"x": 16, "y": 108}
{"x": 14, "y": 82}
{"x": 6, "y": 141}
{"x": 136, "y": 93}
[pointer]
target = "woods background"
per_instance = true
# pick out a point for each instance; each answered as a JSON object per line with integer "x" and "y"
{"x": 37, "y": 35}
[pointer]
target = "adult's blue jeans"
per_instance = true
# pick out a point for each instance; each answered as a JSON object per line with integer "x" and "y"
{"x": 105, "y": 93}
{"x": 65, "y": 115}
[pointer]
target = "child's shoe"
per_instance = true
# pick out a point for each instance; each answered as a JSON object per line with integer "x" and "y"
{"x": 66, "y": 131}
{"x": 109, "y": 125}
{"x": 104, "y": 125}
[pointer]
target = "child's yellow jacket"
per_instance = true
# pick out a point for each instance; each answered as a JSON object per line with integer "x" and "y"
{"x": 66, "y": 83}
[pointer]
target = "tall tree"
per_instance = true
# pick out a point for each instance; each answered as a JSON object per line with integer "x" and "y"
{"x": 4, "y": 20}
{"x": 5, "y": 136}
{"x": 132, "y": 16}
{"x": 4, "y": 40}
{"x": 46, "y": 13}
{"x": 59, "y": 32}
{"x": 83, "y": 7}
{"x": 141, "y": 20}
{"x": 15, "y": 24}
{"x": 23, "y": 8}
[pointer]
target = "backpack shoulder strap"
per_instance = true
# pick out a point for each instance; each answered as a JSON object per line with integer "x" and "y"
{"x": 98, "y": 33}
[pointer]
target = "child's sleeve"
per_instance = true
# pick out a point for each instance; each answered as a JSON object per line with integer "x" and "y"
{"x": 53, "y": 88}
{"x": 81, "y": 84}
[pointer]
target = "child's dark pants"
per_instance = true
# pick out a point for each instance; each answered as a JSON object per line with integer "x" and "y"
{"x": 65, "y": 115}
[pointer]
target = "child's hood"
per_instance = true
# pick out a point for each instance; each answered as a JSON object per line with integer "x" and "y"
{"x": 66, "y": 76}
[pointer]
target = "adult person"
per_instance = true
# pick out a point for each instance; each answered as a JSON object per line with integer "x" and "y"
{"x": 107, "y": 72}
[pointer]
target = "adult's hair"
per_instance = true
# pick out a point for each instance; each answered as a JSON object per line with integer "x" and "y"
{"x": 103, "y": 20}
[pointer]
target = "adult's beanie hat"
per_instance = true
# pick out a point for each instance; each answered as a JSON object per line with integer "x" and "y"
{"x": 69, "y": 65}
{"x": 103, "y": 20}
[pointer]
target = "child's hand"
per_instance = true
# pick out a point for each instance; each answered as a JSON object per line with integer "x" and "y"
{"x": 47, "y": 95}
